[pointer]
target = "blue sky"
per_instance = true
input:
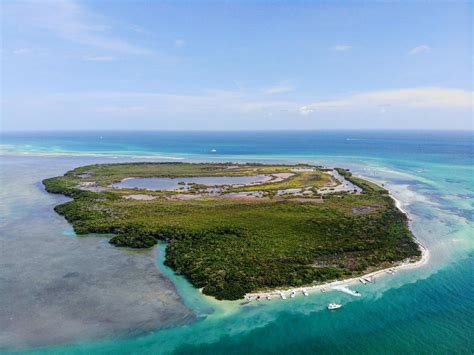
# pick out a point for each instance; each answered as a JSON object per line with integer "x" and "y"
{"x": 236, "y": 65}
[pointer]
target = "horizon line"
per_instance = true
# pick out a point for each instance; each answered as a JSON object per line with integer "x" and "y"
{"x": 241, "y": 130}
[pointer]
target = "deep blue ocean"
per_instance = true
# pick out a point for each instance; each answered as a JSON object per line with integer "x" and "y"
{"x": 426, "y": 310}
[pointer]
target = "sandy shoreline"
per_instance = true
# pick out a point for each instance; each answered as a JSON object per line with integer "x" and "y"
{"x": 405, "y": 264}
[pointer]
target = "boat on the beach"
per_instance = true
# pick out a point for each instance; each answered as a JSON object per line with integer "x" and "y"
{"x": 369, "y": 279}
{"x": 391, "y": 271}
{"x": 362, "y": 281}
{"x": 323, "y": 290}
{"x": 282, "y": 295}
{"x": 305, "y": 292}
{"x": 332, "y": 306}
{"x": 269, "y": 297}
{"x": 293, "y": 294}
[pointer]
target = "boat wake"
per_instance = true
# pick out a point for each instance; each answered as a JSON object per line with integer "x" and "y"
{"x": 347, "y": 290}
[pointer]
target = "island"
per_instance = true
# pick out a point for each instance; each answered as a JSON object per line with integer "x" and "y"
{"x": 232, "y": 229}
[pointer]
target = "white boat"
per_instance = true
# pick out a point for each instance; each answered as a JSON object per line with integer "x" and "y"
{"x": 305, "y": 292}
{"x": 369, "y": 279}
{"x": 323, "y": 290}
{"x": 282, "y": 295}
{"x": 332, "y": 306}
{"x": 293, "y": 294}
{"x": 213, "y": 150}
{"x": 269, "y": 297}
{"x": 362, "y": 281}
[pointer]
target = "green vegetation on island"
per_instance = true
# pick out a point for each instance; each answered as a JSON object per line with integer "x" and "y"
{"x": 229, "y": 242}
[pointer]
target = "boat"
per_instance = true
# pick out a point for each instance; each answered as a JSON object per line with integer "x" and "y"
{"x": 213, "y": 150}
{"x": 323, "y": 290}
{"x": 332, "y": 306}
{"x": 305, "y": 292}
{"x": 369, "y": 279}
{"x": 293, "y": 294}
{"x": 282, "y": 295}
{"x": 362, "y": 281}
{"x": 269, "y": 297}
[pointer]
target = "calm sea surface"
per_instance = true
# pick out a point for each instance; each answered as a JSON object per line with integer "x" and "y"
{"x": 425, "y": 310}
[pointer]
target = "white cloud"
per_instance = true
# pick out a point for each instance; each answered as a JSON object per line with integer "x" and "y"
{"x": 411, "y": 98}
{"x": 279, "y": 89}
{"x": 241, "y": 104}
{"x": 321, "y": 105}
{"x": 435, "y": 108}
{"x": 341, "y": 48}
{"x": 98, "y": 58}
{"x": 179, "y": 43}
{"x": 22, "y": 51}
{"x": 306, "y": 110}
{"x": 142, "y": 104}
{"x": 420, "y": 49}
{"x": 122, "y": 110}
{"x": 69, "y": 20}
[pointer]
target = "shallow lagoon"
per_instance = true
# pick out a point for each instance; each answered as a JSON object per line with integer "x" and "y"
{"x": 58, "y": 288}
{"x": 170, "y": 184}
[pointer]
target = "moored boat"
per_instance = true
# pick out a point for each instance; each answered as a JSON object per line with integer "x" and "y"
{"x": 369, "y": 279}
{"x": 391, "y": 271}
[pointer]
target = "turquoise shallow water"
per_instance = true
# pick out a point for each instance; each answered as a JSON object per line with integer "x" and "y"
{"x": 425, "y": 310}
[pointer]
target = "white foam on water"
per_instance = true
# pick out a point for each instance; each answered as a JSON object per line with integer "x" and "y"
{"x": 347, "y": 290}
